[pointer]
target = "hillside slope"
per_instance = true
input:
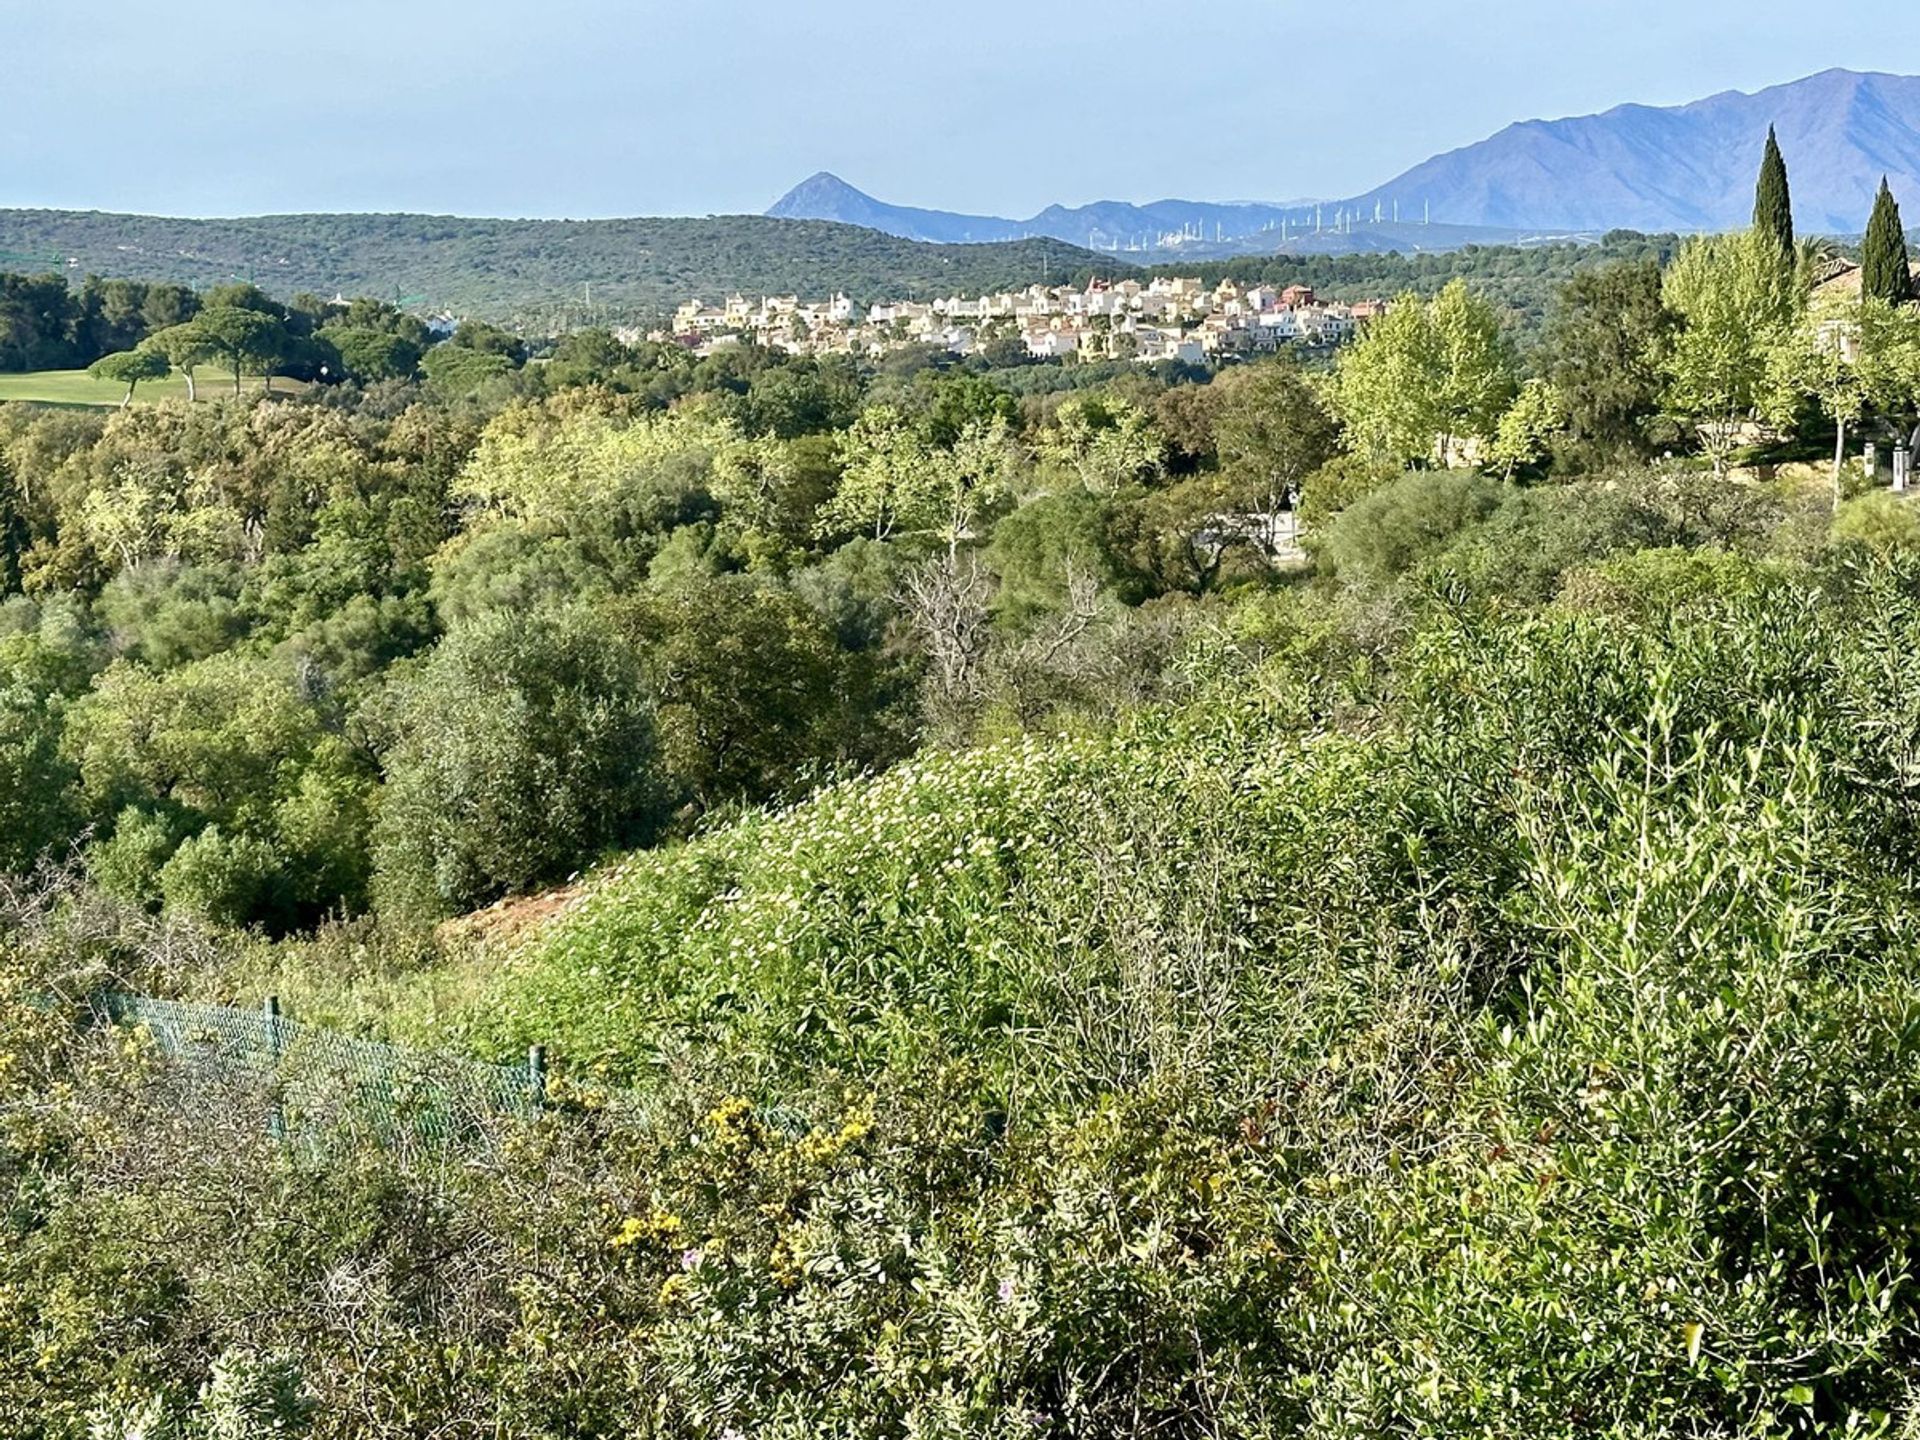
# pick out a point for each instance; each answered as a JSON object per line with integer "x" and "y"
{"x": 1688, "y": 167}
{"x": 1526, "y": 1019}
{"x": 532, "y": 270}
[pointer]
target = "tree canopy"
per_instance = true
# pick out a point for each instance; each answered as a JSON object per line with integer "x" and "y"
{"x": 1885, "y": 272}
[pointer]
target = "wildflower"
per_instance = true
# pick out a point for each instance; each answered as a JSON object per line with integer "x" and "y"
{"x": 659, "y": 1226}
{"x": 732, "y": 1122}
{"x": 822, "y": 1145}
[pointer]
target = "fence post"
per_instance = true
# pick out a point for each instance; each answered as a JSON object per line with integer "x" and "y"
{"x": 276, "y": 1046}
{"x": 537, "y": 1074}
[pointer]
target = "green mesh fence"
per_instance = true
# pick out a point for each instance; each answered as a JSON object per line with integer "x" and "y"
{"x": 306, "y": 1074}
{"x": 306, "y": 1078}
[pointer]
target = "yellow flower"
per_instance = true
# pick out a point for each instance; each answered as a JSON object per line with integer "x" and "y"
{"x": 823, "y": 1145}
{"x": 732, "y": 1120}
{"x": 659, "y": 1226}
{"x": 784, "y": 1261}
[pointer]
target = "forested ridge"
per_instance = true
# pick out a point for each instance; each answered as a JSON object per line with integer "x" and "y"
{"x": 534, "y": 273}
{"x": 1374, "y": 900}
{"x": 531, "y": 273}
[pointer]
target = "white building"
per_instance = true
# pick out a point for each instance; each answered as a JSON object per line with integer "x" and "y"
{"x": 1053, "y": 344}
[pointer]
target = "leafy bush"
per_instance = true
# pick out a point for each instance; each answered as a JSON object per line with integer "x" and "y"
{"x": 520, "y": 746}
{"x": 1385, "y": 533}
{"x": 1881, "y": 521}
{"x": 225, "y": 879}
{"x": 227, "y": 742}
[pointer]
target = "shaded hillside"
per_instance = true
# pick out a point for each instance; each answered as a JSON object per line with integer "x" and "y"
{"x": 535, "y": 271}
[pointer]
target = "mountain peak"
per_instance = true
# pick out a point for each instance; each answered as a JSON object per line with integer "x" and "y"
{"x": 1684, "y": 167}
{"x": 1636, "y": 166}
{"x": 822, "y": 189}
{"x": 825, "y": 196}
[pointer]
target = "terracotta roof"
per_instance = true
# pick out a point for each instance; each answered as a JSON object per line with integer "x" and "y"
{"x": 1842, "y": 278}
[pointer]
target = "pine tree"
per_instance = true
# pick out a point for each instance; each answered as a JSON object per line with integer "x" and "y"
{"x": 1773, "y": 204}
{"x": 1884, "y": 270}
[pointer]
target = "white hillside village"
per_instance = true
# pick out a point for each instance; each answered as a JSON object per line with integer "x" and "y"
{"x": 1166, "y": 318}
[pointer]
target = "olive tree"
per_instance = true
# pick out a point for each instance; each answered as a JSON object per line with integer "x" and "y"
{"x": 517, "y": 749}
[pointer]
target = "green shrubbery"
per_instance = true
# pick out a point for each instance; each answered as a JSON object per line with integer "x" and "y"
{"x": 520, "y": 744}
{"x": 1093, "y": 972}
{"x": 1535, "y": 1049}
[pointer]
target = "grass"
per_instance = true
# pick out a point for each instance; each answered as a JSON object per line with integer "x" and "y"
{"x": 75, "y": 389}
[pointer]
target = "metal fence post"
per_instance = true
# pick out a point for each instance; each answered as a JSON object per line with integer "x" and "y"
{"x": 537, "y": 1074}
{"x": 276, "y": 1046}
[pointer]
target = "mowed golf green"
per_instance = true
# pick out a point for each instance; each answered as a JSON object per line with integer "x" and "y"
{"x": 77, "y": 388}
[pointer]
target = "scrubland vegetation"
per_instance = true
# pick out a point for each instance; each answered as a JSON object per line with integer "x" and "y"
{"x": 1021, "y": 950}
{"x": 529, "y": 271}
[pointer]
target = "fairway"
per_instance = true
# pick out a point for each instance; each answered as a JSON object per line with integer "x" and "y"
{"x": 79, "y": 389}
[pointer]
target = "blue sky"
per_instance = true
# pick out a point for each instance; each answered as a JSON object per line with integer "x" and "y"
{"x": 621, "y": 107}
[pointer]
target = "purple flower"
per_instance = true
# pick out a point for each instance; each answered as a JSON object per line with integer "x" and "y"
{"x": 1006, "y": 1291}
{"x": 690, "y": 1259}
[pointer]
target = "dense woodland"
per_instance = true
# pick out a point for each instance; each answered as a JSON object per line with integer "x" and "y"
{"x": 541, "y": 276}
{"x": 1023, "y": 950}
{"x": 529, "y": 273}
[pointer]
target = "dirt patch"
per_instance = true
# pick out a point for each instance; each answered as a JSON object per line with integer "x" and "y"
{"x": 506, "y": 923}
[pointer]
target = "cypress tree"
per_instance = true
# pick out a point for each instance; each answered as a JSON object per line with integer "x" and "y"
{"x": 1773, "y": 203}
{"x": 1884, "y": 271}
{"x": 16, "y": 538}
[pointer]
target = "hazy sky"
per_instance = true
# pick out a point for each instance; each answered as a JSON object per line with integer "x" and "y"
{"x": 624, "y": 107}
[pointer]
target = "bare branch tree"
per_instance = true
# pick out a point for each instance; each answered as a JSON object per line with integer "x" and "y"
{"x": 947, "y": 604}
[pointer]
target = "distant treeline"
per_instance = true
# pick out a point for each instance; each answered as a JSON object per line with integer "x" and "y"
{"x": 46, "y": 325}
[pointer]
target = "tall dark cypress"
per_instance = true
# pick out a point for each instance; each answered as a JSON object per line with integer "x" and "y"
{"x": 1773, "y": 203}
{"x": 1884, "y": 270}
{"x": 15, "y": 535}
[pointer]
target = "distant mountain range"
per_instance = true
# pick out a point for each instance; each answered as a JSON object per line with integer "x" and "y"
{"x": 1690, "y": 167}
{"x": 1105, "y": 225}
{"x": 1683, "y": 168}
{"x": 1636, "y": 167}
{"x": 1161, "y": 230}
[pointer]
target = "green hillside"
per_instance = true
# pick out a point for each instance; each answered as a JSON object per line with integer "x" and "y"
{"x": 895, "y": 908}
{"x": 1553, "y": 996}
{"x": 533, "y": 271}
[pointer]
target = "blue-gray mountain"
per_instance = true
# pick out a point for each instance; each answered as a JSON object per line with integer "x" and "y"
{"x": 1104, "y": 225}
{"x": 1163, "y": 229}
{"x": 1686, "y": 167}
{"x": 1690, "y": 167}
